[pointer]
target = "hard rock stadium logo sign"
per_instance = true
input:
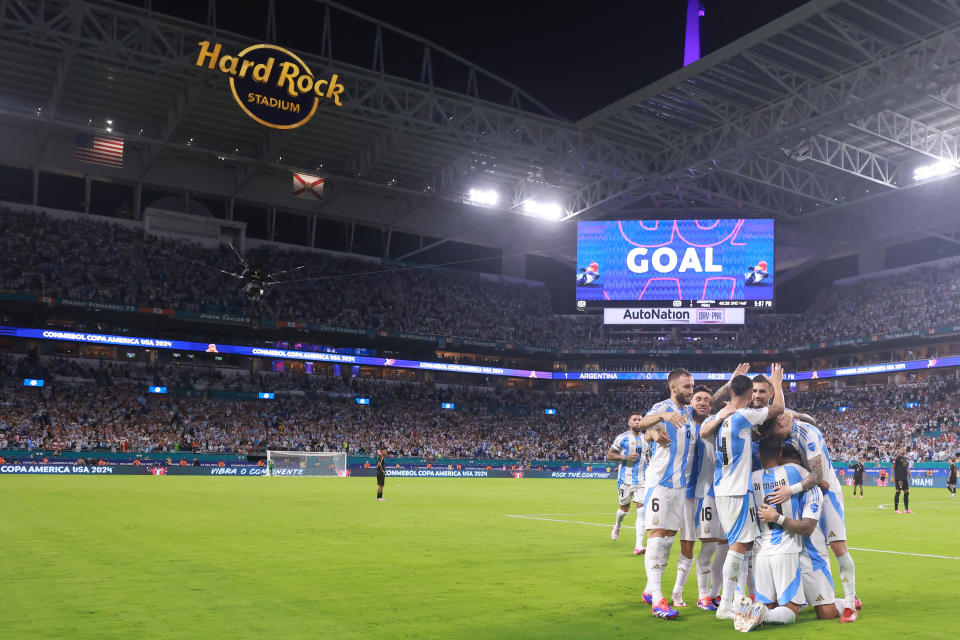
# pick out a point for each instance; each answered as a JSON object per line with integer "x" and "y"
{"x": 272, "y": 85}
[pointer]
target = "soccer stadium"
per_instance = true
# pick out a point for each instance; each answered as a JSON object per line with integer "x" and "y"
{"x": 374, "y": 339}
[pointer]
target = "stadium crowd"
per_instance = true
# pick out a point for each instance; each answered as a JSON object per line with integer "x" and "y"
{"x": 106, "y": 407}
{"x": 146, "y": 270}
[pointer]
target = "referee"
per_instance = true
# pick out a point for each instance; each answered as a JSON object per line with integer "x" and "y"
{"x": 381, "y": 473}
{"x": 901, "y": 478}
{"x": 952, "y": 479}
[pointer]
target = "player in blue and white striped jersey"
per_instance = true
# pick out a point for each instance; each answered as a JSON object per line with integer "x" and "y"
{"x": 630, "y": 450}
{"x": 815, "y": 560}
{"x": 669, "y": 427}
{"x": 783, "y": 528}
{"x": 734, "y": 425}
{"x": 812, "y": 446}
{"x": 713, "y": 546}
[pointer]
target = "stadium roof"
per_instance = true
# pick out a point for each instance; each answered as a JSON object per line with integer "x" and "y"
{"x": 828, "y": 110}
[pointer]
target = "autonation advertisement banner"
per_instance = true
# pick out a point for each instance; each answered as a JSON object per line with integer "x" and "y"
{"x": 667, "y": 315}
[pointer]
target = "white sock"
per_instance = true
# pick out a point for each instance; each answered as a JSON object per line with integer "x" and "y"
{"x": 839, "y": 605}
{"x": 641, "y": 530}
{"x": 848, "y": 579}
{"x": 748, "y": 582}
{"x": 656, "y": 561}
{"x": 649, "y": 562}
{"x": 683, "y": 572}
{"x": 705, "y": 568}
{"x": 731, "y": 578}
{"x": 716, "y": 576}
{"x": 620, "y": 516}
{"x": 780, "y": 615}
{"x": 742, "y": 578}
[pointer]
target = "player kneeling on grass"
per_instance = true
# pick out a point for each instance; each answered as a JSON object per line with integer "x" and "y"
{"x": 783, "y": 527}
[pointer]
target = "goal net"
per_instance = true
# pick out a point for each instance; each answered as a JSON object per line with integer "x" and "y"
{"x": 306, "y": 463}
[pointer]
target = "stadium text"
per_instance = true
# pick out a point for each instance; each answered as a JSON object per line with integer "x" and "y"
{"x": 54, "y": 469}
{"x": 437, "y": 473}
{"x": 664, "y": 260}
{"x": 96, "y": 337}
{"x": 292, "y": 79}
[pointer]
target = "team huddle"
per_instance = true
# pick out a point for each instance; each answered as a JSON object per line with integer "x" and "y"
{"x": 754, "y": 483}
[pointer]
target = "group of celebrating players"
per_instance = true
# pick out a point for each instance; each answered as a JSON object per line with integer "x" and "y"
{"x": 751, "y": 480}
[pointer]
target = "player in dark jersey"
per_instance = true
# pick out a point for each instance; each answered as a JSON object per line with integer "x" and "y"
{"x": 952, "y": 478}
{"x": 381, "y": 473}
{"x": 901, "y": 479}
{"x": 857, "y": 478}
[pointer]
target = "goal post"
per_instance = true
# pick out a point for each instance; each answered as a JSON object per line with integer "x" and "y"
{"x": 307, "y": 463}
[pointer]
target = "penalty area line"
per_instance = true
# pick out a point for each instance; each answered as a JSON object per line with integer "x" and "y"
{"x": 904, "y": 553}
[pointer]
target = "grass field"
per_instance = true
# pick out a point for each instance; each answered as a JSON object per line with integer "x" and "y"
{"x": 178, "y": 557}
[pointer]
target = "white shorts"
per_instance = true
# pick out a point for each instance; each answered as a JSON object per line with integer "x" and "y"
{"x": 831, "y": 519}
{"x": 688, "y": 526}
{"x": 706, "y": 519}
{"x": 815, "y": 569}
{"x": 630, "y": 493}
{"x": 738, "y": 518}
{"x": 663, "y": 508}
{"x": 777, "y": 579}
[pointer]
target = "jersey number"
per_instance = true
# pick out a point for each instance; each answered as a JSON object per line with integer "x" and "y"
{"x": 707, "y": 513}
{"x": 655, "y": 505}
{"x": 724, "y": 454}
{"x": 753, "y": 516}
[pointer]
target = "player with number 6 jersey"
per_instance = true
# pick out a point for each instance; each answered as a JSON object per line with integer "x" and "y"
{"x": 669, "y": 427}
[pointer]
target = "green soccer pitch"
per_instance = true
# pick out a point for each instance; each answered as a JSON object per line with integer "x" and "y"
{"x": 177, "y": 557}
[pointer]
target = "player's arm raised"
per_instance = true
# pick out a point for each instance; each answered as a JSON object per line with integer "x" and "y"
{"x": 711, "y": 424}
{"x": 803, "y": 527}
{"x": 722, "y": 394}
{"x": 776, "y": 378}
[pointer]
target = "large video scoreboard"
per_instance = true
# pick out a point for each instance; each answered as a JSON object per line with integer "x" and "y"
{"x": 676, "y": 263}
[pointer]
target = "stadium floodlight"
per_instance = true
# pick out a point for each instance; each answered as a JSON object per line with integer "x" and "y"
{"x": 545, "y": 210}
{"x": 483, "y": 197}
{"x": 933, "y": 170}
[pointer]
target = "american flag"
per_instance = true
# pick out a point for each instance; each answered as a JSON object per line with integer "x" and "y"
{"x": 99, "y": 150}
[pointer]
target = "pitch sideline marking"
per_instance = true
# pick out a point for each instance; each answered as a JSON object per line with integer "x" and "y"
{"x": 599, "y": 524}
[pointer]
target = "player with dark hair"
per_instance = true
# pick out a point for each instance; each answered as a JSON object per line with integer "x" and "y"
{"x": 381, "y": 472}
{"x": 669, "y": 427}
{"x": 901, "y": 479}
{"x": 952, "y": 478}
{"x": 630, "y": 449}
{"x": 858, "y": 478}
{"x": 700, "y": 519}
{"x": 783, "y": 528}
{"x": 734, "y": 426}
